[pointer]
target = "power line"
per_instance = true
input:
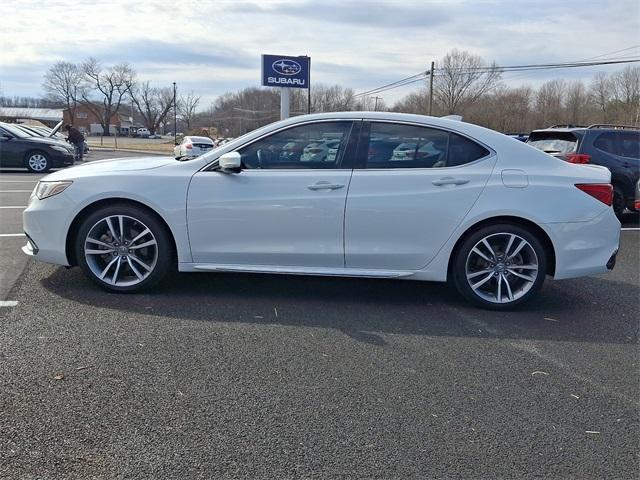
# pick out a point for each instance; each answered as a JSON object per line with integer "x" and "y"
{"x": 513, "y": 68}
{"x": 368, "y": 92}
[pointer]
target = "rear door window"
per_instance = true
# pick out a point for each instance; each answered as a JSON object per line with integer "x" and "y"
{"x": 607, "y": 142}
{"x": 395, "y": 145}
{"x": 630, "y": 144}
{"x": 554, "y": 142}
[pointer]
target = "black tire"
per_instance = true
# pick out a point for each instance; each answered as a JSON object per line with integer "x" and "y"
{"x": 619, "y": 201}
{"x": 496, "y": 233}
{"x": 135, "y": 221}
{"x": 37, "y": 161}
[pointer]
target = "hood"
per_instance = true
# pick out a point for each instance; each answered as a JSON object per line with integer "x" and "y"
{"x": 48, "y": 141}
{"x": 129, "y": 164}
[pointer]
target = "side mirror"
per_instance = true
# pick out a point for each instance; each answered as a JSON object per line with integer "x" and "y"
{"x": 5, "y": 137}
{"x": 230, "y": 162}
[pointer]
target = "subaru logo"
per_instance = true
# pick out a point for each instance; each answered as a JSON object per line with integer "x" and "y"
{"x": 286, "y": 67}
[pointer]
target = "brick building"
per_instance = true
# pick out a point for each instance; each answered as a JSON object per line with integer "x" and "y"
{"x": 89, "y": 124}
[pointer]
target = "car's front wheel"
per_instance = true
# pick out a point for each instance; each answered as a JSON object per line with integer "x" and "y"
{"x": 499, "y": 266}
{"x": 38, "y": 162}
{"x": 124, "y": 248}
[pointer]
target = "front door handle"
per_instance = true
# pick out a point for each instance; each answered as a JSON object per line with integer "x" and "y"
{"x": 450, "y": 181}
{"x": 325, "y": 186}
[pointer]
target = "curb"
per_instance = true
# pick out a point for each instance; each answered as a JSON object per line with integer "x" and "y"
{"x": 110, "y": 149}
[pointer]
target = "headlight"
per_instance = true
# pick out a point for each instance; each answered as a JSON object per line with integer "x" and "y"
{"x": 48, "y": 189}
{"x": 59, "y": 148}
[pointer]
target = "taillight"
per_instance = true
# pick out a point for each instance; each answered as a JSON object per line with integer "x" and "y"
{"x": 189, "y": 146}
{"x": 578, "y": 158}
{"x": 599, "y": 191}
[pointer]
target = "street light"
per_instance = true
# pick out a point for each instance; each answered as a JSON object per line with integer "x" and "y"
{"x": 175, "y": 116}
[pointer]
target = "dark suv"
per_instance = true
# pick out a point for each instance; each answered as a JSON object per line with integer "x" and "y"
{"x": 616, "y": 147}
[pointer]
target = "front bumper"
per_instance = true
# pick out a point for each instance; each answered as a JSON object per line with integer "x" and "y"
{"x": 62, "y": 160}
{"x": 46, "y": 223}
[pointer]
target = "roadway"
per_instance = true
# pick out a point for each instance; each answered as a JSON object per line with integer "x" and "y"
{"x": 257, "y": 376}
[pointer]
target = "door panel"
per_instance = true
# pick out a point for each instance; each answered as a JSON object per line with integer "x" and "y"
{"x": 285, "y": 207}
{"x": 268, "y": 217}
{"x": 398, "y": 218}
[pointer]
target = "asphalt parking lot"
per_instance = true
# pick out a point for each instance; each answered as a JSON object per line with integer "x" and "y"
{"x": 249, "y": 376}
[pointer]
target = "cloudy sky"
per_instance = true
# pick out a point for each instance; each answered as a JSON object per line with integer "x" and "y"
{"x": 212, "y": 47}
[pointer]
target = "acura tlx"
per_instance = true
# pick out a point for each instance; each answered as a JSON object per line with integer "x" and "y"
{"x": 462, "y": 204}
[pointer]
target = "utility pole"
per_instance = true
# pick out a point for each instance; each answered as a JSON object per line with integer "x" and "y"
{"x": 433, "y": 64}
{"x": 375, "y": 108}
{"x": 175, "y": 116}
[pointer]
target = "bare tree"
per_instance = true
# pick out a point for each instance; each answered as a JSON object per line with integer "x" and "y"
{"x": 187, "y": 105}
{"x": 601, "y": 93}
{"x": 549, "y": 102}
{"x": 462, "y": 78}
{"x": 105, "y": 88}
{"x": 626, "y": 94}
{"x": 62, "y": 83}
{"x": 577, "y": 103}
{"x": 153, "y": 104}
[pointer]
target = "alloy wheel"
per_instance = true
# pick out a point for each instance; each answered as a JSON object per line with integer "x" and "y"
{"x": 120, "y": 250}
{"x": 38, "y": 162}
{"x": 501, "y": 268}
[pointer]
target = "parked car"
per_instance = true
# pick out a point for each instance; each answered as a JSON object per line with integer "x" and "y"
{"x": 47, "y": 133}
{"x": 192, "y": 147}
{"x": 37, "y": 154}
{"x": 616, "y": 147}
{"x": 523, "y": 137}
{"x": 636, "y": 203}
{"x": 495, "y": 218}
{"x": 319, "y": 151}
{"x": 142, "y": 133}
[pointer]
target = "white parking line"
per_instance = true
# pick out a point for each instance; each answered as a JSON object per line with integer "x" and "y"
{"x": 9, "y": 235}
{"x": 630, "y": 229}
{"x": 8, "y": 303}
{"x": 16, "y": 191}
{"x": 18, "y": 181}
{"x": 12, "y": 206}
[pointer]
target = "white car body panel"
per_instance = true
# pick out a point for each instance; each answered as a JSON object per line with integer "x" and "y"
{"x": 268, "y": 217}
{"x": 236, "y": 222}
{"x": 397, "y": 219}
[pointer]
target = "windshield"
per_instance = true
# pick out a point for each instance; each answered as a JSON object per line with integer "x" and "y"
{"x": 17, "y": 132}
{"x": 554, "y": 142}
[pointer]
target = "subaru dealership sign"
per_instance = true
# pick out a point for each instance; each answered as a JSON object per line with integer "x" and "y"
{"x": 283, "y": 71}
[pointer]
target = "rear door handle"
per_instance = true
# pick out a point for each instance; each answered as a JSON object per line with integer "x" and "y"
{"x": 325, "y": 186}
{"x": 450, "y": 181}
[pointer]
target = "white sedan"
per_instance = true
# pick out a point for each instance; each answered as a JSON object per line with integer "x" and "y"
{"x": 494, "y": 216}
{"x": 192, "y": 147}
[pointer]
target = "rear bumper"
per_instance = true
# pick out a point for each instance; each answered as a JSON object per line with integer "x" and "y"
{"x": 585, "y": 248}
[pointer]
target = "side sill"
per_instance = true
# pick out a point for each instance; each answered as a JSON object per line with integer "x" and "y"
{"x": 291, "y": 270}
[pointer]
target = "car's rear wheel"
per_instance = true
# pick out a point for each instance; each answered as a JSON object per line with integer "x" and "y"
{"x": 500, "y": 266}
{"x": 124, "y": 248}
{"x": 38, "y": 162}
{"x": 619, "y": 201}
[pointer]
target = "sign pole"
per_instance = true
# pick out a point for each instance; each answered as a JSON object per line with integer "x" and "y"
{"x": 284, "y": 103}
